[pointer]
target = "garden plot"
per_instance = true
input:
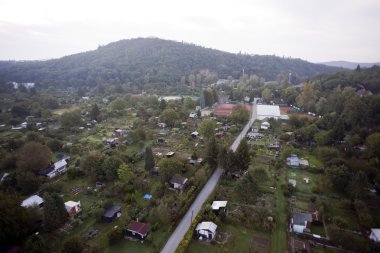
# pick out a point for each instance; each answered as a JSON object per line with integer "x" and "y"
{"x": 260, "y": 244}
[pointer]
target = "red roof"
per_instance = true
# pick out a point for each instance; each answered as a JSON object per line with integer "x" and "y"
{"x": 138, "y": 227}
{"x": 226, "y": 109}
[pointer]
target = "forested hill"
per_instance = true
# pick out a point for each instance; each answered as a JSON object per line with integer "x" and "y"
{"x": 368, "y": 78}
{"x": 150, "y": 61}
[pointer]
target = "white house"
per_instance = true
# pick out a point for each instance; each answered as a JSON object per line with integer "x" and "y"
{"x": 301, "y": 222}
{"x": 216, "y": 206}
{"x": 34, "y": 200}
{"x": 206, "y": 230}
{"x": 268, "y": 111}
{"x": 265, "y": 125}
{"x": 193, "y": 115}
{"x": 72, "y": 208}
{"x": 375, "y": 234}
{"x": 59, "y": 168}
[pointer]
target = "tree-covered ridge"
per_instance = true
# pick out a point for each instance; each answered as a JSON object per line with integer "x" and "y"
{"x": 368, "y": 78}
{"x": 152, "y": 61}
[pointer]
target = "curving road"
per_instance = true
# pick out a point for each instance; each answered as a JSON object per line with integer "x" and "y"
{"x": 180, "y": 231}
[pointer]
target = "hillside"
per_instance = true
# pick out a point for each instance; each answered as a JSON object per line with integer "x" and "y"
{"x": 154, "y": 61}
{"x": 350, "y": 65}
{"x": 368, "y": 78}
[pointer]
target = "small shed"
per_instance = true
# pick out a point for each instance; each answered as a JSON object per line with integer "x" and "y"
{"x": 112, "y": 213}
{"x": 72, "y": 208}
{"x": 218, "y": 206}
{"x": 301, "y": 222}
{"x": 194, "y": 134}
{"x": 265, "y": 125}
{"x": 178, "y": 182}
{"x": 375, "y": 234}
{"x": 170, "y": 154}
{"x": 206, "y": 230}
{"x": 293, "y": 161}
{"x": 34, "y": 200}
{"x": 137, "y": 230}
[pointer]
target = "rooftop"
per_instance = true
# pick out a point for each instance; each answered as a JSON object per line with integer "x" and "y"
{"x": 138, "y": 227}
{"x": 32, "y": 200}
{"x": 216, "y": 205}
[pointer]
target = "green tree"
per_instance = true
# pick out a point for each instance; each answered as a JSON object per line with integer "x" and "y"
{"x": 110, "y": 167}
{"x": 73, "y": 245}
{"x": 247, "y": 189}
{"x": 308, "y": 97}
{"x": 222, "y": 157}
{"x": 71, "y": 119}
{"x": 340, "y": 176}
{"x": 212, "y": 153}
{"x": 242, "y": 155}
{"x": 289, "y": 94}
{"x": 149, "y": 158}
{"x": 54, "y": 211}
{"x": 125, "y": 173}
{"x": 92, "y": 164}
{"x": 95, "y": 112}
{"x": 207, "y": 128}
{"x": 267, "y": 95}
{"x": 373, "y": 145}
{"x": 358, "y": 186}
{"x": 239, "y": 115}
{"x": 36, "y": 244}
{"x": 14, "y": 220}
{"x": 169, "y": 167}
{"x": 27, "y": 182}
{"x": 118, "y": 104}
{"x": 33, "y": 156}
{"x": 169, "y": 116}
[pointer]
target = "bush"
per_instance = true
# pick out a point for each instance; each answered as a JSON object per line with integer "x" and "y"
{"x": 115, "y": 235}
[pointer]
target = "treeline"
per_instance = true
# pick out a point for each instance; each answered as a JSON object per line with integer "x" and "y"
{"x": 149, "y": 61}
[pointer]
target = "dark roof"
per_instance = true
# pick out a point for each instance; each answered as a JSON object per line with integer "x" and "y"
{"x": 111, "y": 211}
{"x": 178, "y": 179}
{"x": 44, "y": 172}
{"x": 300, "y": 218}
{"x": 138, "y": 227}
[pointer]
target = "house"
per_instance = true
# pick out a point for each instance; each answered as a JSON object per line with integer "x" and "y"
{"x": 121, "y": 132}
{"x": 154, "y": 171}
{"x": 161, "y": 125}
{"x": 194, "y": 134}
{"x": 170, "y": 154}
{"x": 218, "y": 206}
{"x": 112, "y": 213}
{"x": 160, "y": 140}
{"x": 375, "y": 234}
{"x": 265, "y": 125}
{"x": 34, "y": 200}
{"x": 301, "y": 222}
{"x": 206, "y": 230}
{"x": 193, "y": 115}
{"x": 137, "y": 230}
{"x": 304, "y": 163}
{"x": 267, "y": 112}
{"x": 55, "y": 169}
{"x": 198, "y": 161}
{"x": 72, "y": 208}
{"x": 293, "y": 161}
{"x": 219, "y": 135}
{"x": 178, "y": 182}
{"x": 292, "y": 182}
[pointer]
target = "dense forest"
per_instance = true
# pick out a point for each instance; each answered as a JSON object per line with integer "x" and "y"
{"x": 145, "y": 61}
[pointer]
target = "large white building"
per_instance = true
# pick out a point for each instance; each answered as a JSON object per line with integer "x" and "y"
{"x": 268, "y": 111}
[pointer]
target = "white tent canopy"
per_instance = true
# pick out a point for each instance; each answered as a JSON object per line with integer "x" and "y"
{"x": 268, "y": 111}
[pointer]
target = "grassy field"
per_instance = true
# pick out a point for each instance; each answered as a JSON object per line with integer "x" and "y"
{"x": 279, "y": 233}
{"x": 240, "y": 241}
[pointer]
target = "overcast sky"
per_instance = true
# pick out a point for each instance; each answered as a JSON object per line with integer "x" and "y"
{"x": 314, "y": 30}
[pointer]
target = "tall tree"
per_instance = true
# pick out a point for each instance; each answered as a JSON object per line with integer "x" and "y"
{"x": 95, "y": 112}
{"x": 125, "y": 173}
{"x": 33, "y": 156}
{"x": 267, "y": 95}
{"x": 110, "y": 166}
{"x": 212, "y": 153}
{"x": 207, "y": 128}
{"x": 36, "y": 244}
{"x": 169, "y": 116}
{"x": 239, "y": 115}
{"x": 242, "y": 155}
{"x": 373, "y": 145}
{"x": 54, "y": 211}
{"x": 73, "y": 245}
{"x": 71, "y": 119}
{"x": 149, "y": 158}
{"x": 222, "y": 157}
{"x": 308, "y": 97}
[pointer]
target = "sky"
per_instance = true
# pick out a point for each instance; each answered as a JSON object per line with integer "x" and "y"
{"x": 314, "y": 30}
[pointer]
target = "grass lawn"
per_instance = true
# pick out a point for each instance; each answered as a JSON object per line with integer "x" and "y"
{"x": 130, "y": 247}
{"x": 239, "y": 242}
{"x": 279, "y": 232}
{"x": 318, "y": 229}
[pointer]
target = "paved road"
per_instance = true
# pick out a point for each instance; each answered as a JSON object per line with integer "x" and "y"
{"x": 184, "y": 225}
